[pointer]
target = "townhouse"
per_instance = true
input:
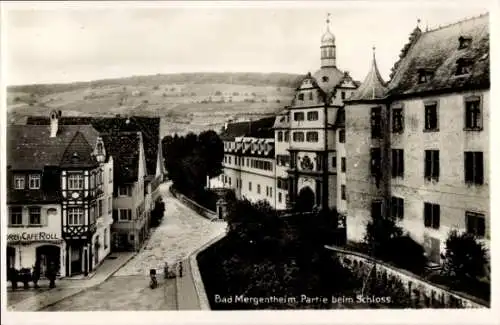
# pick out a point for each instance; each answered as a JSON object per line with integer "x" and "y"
{"x": 58, "y": 197}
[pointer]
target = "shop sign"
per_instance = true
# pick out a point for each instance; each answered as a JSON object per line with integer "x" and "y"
{"x": 29, "y": 236}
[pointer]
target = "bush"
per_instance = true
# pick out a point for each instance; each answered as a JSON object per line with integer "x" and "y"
{"x": 465, "y": 259}
{"x": 407, "y": 254}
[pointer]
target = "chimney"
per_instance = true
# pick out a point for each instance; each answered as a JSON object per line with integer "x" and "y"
{"x": 54, "y": 123}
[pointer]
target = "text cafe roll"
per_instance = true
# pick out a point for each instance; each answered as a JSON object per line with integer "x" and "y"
{"x": 25, "y": 236}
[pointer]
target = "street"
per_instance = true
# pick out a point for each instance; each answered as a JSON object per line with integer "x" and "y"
{"x": 181, "y": 232}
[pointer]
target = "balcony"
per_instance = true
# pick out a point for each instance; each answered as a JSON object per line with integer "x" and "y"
{"x": 78, "y": 231}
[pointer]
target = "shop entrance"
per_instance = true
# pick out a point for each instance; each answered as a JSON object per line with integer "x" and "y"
{"x": 46, "y": 255}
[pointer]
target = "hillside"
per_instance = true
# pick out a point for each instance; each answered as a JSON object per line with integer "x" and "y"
{"x": 185, "y": 102}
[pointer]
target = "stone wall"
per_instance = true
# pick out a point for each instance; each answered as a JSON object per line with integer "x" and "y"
{"x": 204, "y": 212}
{"x": 421, "y": 292}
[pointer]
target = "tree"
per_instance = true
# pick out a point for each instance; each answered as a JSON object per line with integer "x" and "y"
{"x": 465, "y": 258}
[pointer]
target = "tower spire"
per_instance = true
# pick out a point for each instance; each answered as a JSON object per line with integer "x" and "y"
{"x": 328, "y": 46}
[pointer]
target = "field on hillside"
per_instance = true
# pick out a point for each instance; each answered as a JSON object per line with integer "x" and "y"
{"x": 183, "y": 107}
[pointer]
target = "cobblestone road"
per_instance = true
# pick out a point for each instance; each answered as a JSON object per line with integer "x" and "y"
{"x": 181, "y": 232}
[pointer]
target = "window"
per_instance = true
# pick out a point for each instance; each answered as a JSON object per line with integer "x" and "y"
{"x": 298, "y": 136}
{"x": 342, "y": 164}
{"x": 334, "y": 159}
{"x": 75, "y": 217}
{"x": 473, "y": 117}
{"x": 105, "y": 238}
{"x": 310, "y": 95}
{"x": 15, "y": 216}
{"x": 75, "y": 181}
{"x": 432, "y": 165}
{"x": 397, "y": 207}
{"x": 229, "y": 178}
{"x": 398, "y": 164}
{"x": 34, "y": 182}
{"x": 342, "y": 95}
{"x": 464, "y": 42}
{"x": 376, "y": 122}
{"x": 270, "y": 191}
{"x": 312, "y": 136}
{"x": 342, "y": 192}
{"x": 375, "y": 154}
{"x": 474, "y": 169}
{"x": 230, "y": 159}
{"x": 250, "y": 186}
{"x": 463, "y": 67}
{"x": 99, "y": 208}
{"x": 475, "y": 224}
{"x": 432, "y": 215}
{"x": 258, "y": 188}
{"x": 424, "y": 76}
{"x": 431, "y": 116}
{"x": 342, "y": 136}
{"x": 109, "y": 205}
{"x": 92, "y": 212}
{"x": 376, "y": 211}
{"x": 92, "y": 181}
{"x": 280, "y": 136}
{"x": 312, "y": 116}
{"x": 124, "y": 214}
{"x": 325, "y": 78}
{"x": 287, "y": 136}
{"x": 300, "y": 96}
{"x": 124, "y": 190}
{"x": 225, "y": 179}
{"x": 298, "y": 116}
{"x": 279, "y": 197}
{"x": 397, "y": 120}
{"x": 35, "y": 216}
{"x": 19, "y": 182}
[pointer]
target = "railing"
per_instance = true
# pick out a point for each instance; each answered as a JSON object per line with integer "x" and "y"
{"x": 413, "y": 283}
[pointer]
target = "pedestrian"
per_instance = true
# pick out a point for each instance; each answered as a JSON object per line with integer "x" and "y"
{"x": 180, "y": 268}
{"x": 165, "y": 270}
{"x": 36, "y": 273}
{"x": 51, "y": 274}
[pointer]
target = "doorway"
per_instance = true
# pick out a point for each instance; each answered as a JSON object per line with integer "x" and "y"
{"x": 11, "y": 257}
{"x": 305, "y": 200}
{"x": 46, "y": 255}
{"x": 76, "y": 260}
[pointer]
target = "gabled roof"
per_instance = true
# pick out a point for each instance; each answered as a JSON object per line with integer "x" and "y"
{"x": 262, "y": 128}
{"x": 328, "y": 78}
{"x": 124, "y": 148}
{"x": 438, "y": 50}
{"x": 149, "y": 126}
{"x": 30, "y": 147}
{"x": 281, "y": 121}
{"x": 373, "y": 86}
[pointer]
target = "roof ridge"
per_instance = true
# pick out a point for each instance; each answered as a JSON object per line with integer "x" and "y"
{"x": 455, "y": 23}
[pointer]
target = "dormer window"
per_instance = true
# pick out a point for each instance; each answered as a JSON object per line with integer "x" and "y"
{"x": 463, "y": 67}
{"x": 464, "y": 42}
{"x": 325, "y": 79}
{"x": 424, "y": 76}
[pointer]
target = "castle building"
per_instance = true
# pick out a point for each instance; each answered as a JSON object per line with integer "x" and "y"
{"x": 310, "y": 136}
{"x": 418, "y": 146}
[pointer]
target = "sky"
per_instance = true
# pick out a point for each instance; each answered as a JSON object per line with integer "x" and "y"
{"x": 80, "y": 42}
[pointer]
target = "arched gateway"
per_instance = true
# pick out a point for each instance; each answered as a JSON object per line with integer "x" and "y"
{"x": 305, "y": 200}
{"x": 47, "y": 254}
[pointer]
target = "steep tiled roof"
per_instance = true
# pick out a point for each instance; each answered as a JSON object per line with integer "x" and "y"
{"x": 372, "y": 87}
{"x": 30, "y": 147}
{"x": 124, "y": 148}
{"x": 438, "y": 51}
{"x": 262, "y": 128}
{"x": 149, "y": 126}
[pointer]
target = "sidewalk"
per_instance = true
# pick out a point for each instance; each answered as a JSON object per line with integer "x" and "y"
{"x": 187, "y": 297}
{"x": 36, "y": 299}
